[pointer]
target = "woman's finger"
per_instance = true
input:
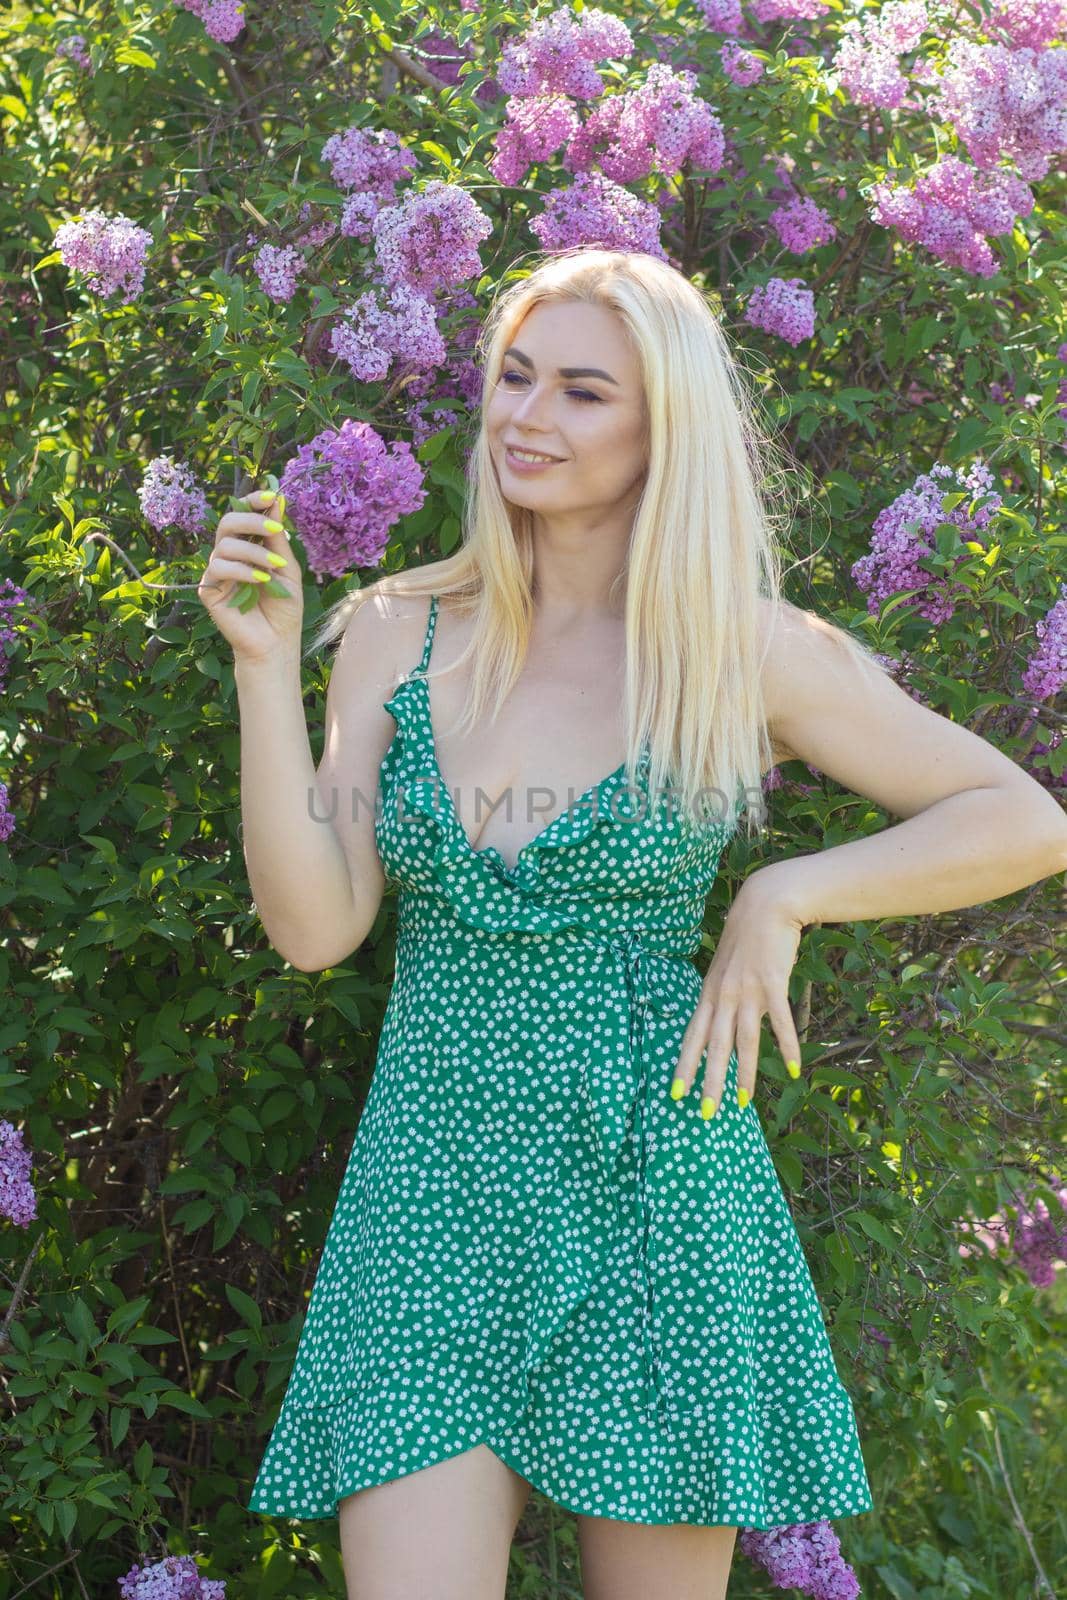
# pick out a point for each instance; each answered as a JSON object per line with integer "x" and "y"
{"x": 747, "y": 1032}
{"x": 718, "y": 1045}
{"x": 785, "y": 1032}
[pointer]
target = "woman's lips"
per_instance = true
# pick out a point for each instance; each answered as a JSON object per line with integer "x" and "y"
{"x": 518, "y": 465}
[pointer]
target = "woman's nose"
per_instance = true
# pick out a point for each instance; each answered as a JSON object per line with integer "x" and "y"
{"x": 533, "y": 406}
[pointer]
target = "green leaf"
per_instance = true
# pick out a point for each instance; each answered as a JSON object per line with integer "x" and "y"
{"x": 123, "y": 1317}
{"x": 876, "y": 1230}
{"x": 245, "y": 1307}
{"x": 180, "y": 1401}
{"x": 120, "y": 1424}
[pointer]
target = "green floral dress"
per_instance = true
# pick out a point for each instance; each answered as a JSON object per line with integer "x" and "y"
{"x": 534, "y": 1247}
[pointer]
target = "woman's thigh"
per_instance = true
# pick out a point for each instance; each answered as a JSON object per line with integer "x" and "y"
{"x": 634, "y": 1560}
{"x": 441, "y": 1533}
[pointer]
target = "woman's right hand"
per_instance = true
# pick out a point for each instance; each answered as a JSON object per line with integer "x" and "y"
{"x": 273, "y": 625}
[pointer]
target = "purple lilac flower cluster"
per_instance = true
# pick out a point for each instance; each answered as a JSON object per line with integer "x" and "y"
{"x": 1006, "y": 103}
{"x": 170, "y": 497}
{"x": 1046, "y": 672}
{"x": 801, "y": 225}
{"x": 222, "y": 19}
{"x": 765, "y": 11}
{"x": 367, "y": 163}
{"x": 446, "y": 57}
{"x": 1028, "y": 22}
{"x": 109, "y": 251}
{"x": 75, "y": 48}
{"x": 11, "y": 595}
{"x": 17, "y": 1199}
{"x": 951, "y": 209}
{"x": 866, "y": 58}
{"x": 783, "y": 306}
{"x": 904, "y": 535}
{"x": 1036, "y": 1238}
{"x": 173, "y": 1578}
{"x": 461, "y": 379}
{"x": 385, "y": 323}
{"x": 740, "y": 65}
{"x": 344, "y": 490}
{"x": 277, "y": 267}
{"x": 805, "y": 1556}
{"x": 596, "y": 210}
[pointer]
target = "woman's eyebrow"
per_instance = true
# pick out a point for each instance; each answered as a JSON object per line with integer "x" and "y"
{"x": 565, "y": 372}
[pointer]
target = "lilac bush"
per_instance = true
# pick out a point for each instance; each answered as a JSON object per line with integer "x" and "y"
{"x": 255, "y": 245}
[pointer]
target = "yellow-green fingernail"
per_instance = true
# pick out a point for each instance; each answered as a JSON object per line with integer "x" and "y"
{"x": 677, "y": 1088}
{"x": 707, "y": 1107}
{"x": 261, "y": 577}
{"x": 272, "y": 526}
{"x": 793, "y": 1068}
{"x": 742, "y": 1098}
{"x": 276, "y": 560}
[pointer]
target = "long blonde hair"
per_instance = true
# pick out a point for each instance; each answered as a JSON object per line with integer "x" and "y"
{"x": 701, "y": 553}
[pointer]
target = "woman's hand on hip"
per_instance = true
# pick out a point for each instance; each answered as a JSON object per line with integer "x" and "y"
{"x": 747, "y": 979}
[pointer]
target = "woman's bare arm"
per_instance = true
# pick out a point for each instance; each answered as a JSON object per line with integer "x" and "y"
{"x": 309, "y": 835}
{"x": 978, "y": 826}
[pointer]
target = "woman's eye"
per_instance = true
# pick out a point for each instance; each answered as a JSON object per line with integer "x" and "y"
{"x": 577, "y": 394}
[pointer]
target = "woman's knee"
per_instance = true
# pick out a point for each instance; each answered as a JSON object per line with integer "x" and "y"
{"x": 631, "y": 1560}
{"x": 443, "y": 1532}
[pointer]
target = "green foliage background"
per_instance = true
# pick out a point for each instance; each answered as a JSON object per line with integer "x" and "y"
{"x": 189, "y": 1099}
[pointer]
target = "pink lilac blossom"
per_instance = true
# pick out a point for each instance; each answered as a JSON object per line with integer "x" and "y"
{"x": 368, "y": 158}
{"x": 1006, "y": 104}
{"x": 535, "y": 128}
{"x": 951, "y": 209}
{"x": 317, "y": 232}
{"x": 1053, "y": 782}
{"x": 740, "y": 66}
{"x": 558, "y": 54}
{"x": 1039, "y": 1239}
{"x": 344, "y": 491}
{"x": 783, "y": 306}
{"x": 866, "y": 56}
{"x": 222, "y": 19}
{"x": 76, "y": 49}
{"x": 462, "y": 379}
{"x": 892, "y": 566}
{"x": 170, "y": 497}
{"x": 11, "y": 595}
{"x": 7, "y": 818}
{"x": 1046, "y": 673}
{"x": 804, "y": 1556}
{"x": 655, "y": 128}
{"x": 786, "y": 10}
{"x": 18, "y": 1203}
{"x": 368, "y": 163}
{"x": 877, "y": 1335}
{"x": 723, "y": 16}
{"x": 596, "y": 211}
{"x": 372, "y": 334}
{"x": 801, "y": 225}
{"x": 430, "y": 239}
{"x": 1028, "y": 22}
{"x": 173, "y": 1578}
{"x": 446, "y": 57}
{"x": 109, "y": 251}
{"x": 277, "y": 268}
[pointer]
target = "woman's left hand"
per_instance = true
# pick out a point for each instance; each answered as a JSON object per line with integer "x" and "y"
{"x": 748, "y": 976}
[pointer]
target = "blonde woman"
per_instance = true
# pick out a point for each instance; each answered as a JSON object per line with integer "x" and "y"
{"x": 561, "y": 1256}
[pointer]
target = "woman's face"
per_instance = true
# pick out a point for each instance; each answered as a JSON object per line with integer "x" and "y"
{"x": 569, "y": 387}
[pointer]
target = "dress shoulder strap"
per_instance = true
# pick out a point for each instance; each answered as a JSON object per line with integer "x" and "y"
{"x": 431, "y": 623}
